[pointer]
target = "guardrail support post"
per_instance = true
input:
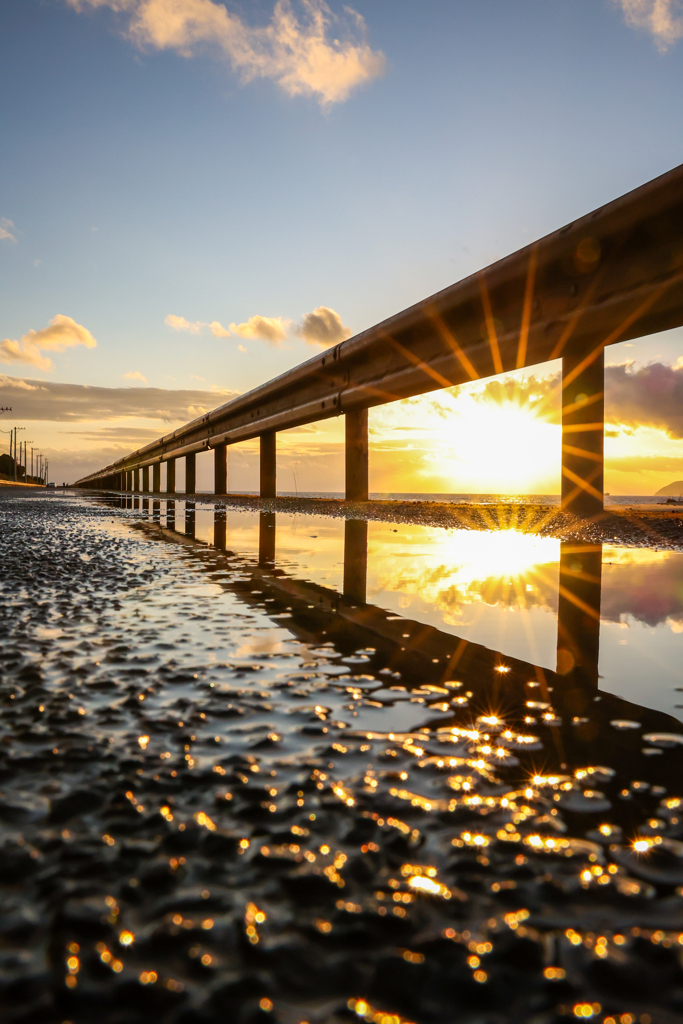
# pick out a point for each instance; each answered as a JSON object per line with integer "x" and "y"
{"x": 268, "y": 464}
{"x": 190, "y": 474}
{"x": 136, "y": 478}
{"x": 357, "y": 455}
{"x": 220, "y": 469}
{"x": 156, "y": 477}
{"x": 583, "y": 432}
{"x": 145, "y": 479}
{"x": 170, "y": 476}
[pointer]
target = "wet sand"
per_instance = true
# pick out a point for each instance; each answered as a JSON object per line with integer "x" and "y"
{"x": 220, "y": 801}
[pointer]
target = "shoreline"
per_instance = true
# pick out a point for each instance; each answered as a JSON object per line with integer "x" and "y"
{"x": 651, "y": 526}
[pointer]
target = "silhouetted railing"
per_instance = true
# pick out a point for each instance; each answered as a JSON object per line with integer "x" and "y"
{"x": 605, "y": 278}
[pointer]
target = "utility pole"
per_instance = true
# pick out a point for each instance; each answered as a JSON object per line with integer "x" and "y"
{"x": 26, "y": 443}
{"x": 15, "y": 451}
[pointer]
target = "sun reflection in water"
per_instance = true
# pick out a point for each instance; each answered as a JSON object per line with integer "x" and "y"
{"x": 481, "y": 586}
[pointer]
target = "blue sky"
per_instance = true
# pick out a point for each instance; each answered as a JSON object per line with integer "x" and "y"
{"x": 141, "y": 183}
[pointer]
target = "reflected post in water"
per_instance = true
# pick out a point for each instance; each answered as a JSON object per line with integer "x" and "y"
{"x": 190, "y": 518}
{"x": 355, "y": 560}
{"x": 170, "y": 514}
{"x": 219, "y": 527}
{"x": 578, "y": 612}
{"x": 156, "y": 511}
{"x": 266, "y": 538}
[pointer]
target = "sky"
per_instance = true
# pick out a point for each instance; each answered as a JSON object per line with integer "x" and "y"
{"x": 196, "y": 195}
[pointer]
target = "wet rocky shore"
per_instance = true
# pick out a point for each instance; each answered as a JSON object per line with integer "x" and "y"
{"x": 218, "y": 804}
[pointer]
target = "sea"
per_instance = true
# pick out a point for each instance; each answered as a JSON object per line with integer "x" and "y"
{"x": 472, "y": 499}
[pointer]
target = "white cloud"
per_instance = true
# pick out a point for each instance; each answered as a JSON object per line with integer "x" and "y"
{"x": 272, "y": 329}
{"x": 317, "y": 54}
{"x": 6, "y": 228}
{"x": 135, "y": 375}
{"x": 74, "y": 403}
{"x": 179, "y": 323}
{"x": 662, "y": 18}
{"x": 62, "y": 333}
{"x": 323, "y": 327}
{"x": 18, "y": 383}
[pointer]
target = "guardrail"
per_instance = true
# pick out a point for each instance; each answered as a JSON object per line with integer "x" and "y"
{"x": 610, "y": 276}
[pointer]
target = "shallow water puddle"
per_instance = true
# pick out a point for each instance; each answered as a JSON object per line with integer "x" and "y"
{"x": 326, "y": 771}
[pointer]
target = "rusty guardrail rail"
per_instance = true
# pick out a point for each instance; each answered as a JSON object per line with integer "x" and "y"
{"x": 612, "y": 275}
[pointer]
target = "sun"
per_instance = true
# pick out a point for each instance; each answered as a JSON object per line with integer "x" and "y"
{"x": 507, "y": 447}
{"x": 470, "y": 439}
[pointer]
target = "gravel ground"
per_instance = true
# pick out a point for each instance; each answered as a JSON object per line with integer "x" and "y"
{"x": 213, "y": 809}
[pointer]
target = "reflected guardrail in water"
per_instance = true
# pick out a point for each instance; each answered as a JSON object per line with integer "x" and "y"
{"x": 564, "y": 704}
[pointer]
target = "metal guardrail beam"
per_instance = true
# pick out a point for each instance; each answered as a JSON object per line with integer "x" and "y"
{"x": 610, "y": 276}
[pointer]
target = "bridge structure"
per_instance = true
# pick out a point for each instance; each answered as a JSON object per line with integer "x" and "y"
{"x": 610, "y": 276}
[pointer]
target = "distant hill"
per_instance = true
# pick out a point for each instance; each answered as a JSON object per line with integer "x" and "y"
{"x": 671, "y": 490}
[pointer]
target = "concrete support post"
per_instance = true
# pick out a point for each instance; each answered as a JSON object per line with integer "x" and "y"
{"x": 355, "y": 560}
{"x": 170, "y": 476}
{"x": 220, "y": 469}
{"x": 136, "y": 478}
{"x": 578, "y": 613}
{"x": 190, "y": 474}
{"x": 357, "y": 455}
{"x": 129, "y": 480}
{"x": 145, "y": 479}
{"x": 268, "y": 465}
{"x": 266, "y": 538}
{"x": 156, "y": 477}
{"x": 583, "y": 430}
